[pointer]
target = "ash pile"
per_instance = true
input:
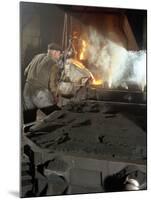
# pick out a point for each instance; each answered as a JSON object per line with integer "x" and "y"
{"x": 95, "y": 128}
{"x": 94, "y": 139}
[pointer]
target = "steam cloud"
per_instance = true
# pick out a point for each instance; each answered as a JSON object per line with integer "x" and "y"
{"x": 113, "y": 63}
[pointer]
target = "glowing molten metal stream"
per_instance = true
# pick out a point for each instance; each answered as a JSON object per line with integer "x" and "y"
{"x": 84, "y": 45}
{"x": 97, "y": 82}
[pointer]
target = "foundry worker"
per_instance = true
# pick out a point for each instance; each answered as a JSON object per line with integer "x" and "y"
{"x": 40, "y": 91}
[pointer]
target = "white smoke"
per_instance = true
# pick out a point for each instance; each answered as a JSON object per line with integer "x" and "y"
{"x": 113, "y": 63}
{"x": 138, "y": 64}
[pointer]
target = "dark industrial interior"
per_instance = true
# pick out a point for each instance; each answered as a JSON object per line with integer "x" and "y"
{"x": 97, "y": 140}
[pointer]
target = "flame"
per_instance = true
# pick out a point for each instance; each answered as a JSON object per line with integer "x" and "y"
{"x": 79, "y": 64}
{"x": 83, "y": 50}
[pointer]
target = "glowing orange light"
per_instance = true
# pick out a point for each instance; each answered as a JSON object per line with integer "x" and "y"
{"x": 78, "y": 64}
{"x": 83, "y": 50}
{"x": 97, "y": 82}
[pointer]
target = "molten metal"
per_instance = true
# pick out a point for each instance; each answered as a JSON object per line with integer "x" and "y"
{"x": 83, "y": 50}
{"x": 97, "y": 82}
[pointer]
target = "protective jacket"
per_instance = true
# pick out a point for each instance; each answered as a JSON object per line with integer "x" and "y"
{"x": 39, "y": 69}
{"x": 40, "y": 87}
